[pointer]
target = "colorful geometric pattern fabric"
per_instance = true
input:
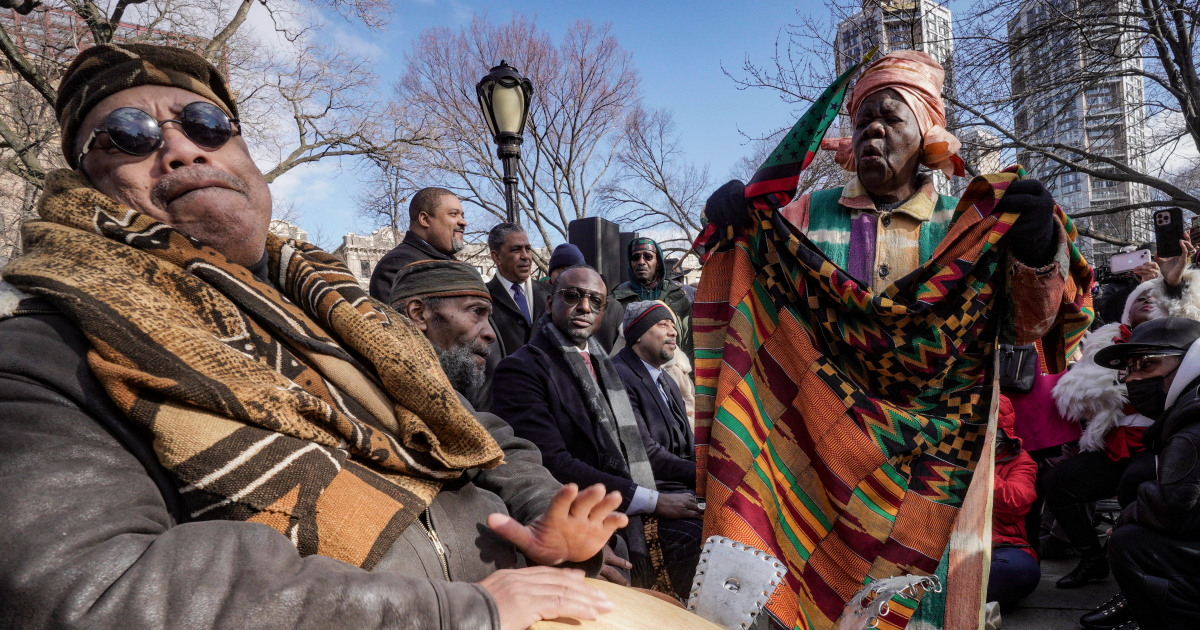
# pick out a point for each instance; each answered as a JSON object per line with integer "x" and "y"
{"x": 301, "y": 403}
{"x": 838, "y": 428}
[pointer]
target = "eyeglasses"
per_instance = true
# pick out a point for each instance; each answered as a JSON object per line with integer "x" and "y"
{"x": 135, "y": 132}
{"x": 642, "y": 256}
{"x": 1142, "y": 363}
{"x": 573, "y": 296}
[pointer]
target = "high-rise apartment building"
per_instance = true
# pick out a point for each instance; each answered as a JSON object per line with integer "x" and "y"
{"x": 1076, "y": 82}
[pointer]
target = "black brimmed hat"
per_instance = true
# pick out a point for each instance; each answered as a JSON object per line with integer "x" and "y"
{"x": 1169, "y": 335}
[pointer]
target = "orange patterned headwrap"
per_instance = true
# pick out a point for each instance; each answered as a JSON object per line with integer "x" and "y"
{"x": 918, "y": 79}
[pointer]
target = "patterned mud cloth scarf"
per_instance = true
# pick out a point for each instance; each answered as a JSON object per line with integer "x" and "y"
{"x": 623, "y": 450}
{"x": 255, "y": 393}
{"x": 839, "y": 429}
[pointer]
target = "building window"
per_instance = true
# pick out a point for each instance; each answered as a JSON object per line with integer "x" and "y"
{"x": 364, "y": 267}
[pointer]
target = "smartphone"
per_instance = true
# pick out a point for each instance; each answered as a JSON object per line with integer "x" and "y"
{"x": 1128, "y": 261}
{"x": 1168, "y": 231}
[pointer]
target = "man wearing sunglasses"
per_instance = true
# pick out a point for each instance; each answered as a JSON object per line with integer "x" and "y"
{"x": 1155, "y": 549}
{"x": 648, "y": 281}
{"x": 562, "y": 392}
{"x": 204, "y": 425}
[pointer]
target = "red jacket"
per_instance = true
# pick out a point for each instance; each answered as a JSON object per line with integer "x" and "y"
{"x": 1016, "y": 475}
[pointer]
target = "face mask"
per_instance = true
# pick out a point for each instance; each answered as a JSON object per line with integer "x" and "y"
{"x": 1148, "y": 396}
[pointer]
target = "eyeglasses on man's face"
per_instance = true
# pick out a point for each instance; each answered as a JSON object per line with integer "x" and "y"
{"x": 575, "y": 295}
{"x": 135, "y": 132}
{"x": 1146, "y": 364}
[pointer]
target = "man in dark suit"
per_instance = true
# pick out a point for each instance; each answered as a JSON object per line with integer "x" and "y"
{"x": 517, "y": 301}
{"x": 561, "y": 392}
{"x": 436, "y": 224}
{"x": 650, "y": 341}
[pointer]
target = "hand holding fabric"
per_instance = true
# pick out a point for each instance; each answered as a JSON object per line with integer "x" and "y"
{"x": 1033, "y": 237}
{"x": 727, "y": 206}
{"x": 574, "y": 528}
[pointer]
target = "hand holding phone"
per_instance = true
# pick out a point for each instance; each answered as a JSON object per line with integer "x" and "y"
{"x": 1168, "y": 231}
{"x": 1128, "y": 261}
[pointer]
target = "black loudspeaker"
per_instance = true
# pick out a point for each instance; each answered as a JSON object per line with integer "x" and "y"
{"x": 599, "y": 240}
{"x": 623, "y": 254}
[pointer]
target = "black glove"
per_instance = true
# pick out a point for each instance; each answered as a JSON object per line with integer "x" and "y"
{"x": 1033, "y": 239}
{"x": 727, "y": 206}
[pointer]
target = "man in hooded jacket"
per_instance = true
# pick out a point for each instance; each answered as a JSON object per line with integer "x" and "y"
{"x": 648, "y": 281}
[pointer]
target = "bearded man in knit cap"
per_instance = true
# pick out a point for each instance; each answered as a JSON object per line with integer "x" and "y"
{"x": 650, "y": 342}
{"x": 648, "y": 281}
{"x": 448, "y": 301}
{"x": 205, "y": 423}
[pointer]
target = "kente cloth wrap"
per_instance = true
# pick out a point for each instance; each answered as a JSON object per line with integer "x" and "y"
{"x": 917, "y": 78}
{"x": 301, "y": 404}
{"x": 837, "y": 428}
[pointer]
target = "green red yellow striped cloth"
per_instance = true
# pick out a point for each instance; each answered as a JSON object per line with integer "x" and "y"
{"x": 837, "y": 428}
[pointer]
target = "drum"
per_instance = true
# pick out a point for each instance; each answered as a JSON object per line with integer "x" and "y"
{"x": 635, "y": 611}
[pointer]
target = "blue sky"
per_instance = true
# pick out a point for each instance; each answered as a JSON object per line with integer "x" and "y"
{"x": 678, "y": 48}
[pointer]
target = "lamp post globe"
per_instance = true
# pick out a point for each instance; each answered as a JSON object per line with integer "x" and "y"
{"x": 504, "y": 97}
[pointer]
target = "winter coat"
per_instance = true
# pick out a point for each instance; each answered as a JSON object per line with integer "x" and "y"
{"x": 95, "y": 536}
{"x": 1171, "y": 503}
{"x": 1016, "y": 476}
{"x": 1090, "y": 393}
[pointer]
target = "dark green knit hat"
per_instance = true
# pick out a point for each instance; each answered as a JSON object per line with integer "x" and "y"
{"x": 437, "y": 278}
{"x": 104, "y": 70}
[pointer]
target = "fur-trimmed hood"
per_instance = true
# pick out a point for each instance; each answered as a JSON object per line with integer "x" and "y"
{"x": 1090, "y": 392}
{"x": 10, "y": 297}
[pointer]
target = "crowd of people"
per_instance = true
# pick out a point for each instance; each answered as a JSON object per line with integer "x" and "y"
{"x": 205, "y": 425}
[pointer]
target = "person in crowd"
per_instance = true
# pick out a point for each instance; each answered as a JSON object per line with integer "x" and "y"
{"x": 436, "y": 225}
{"x": 648, "y": 281}
{"x": 1155, "y": 548}
{"x": 562, "y": 393}
{"x": 448, "y": 302}
{"x": 207, "y": 425}
{"x": 650, "y": 342}
{"x": 888, "y": 219}
{"x": 568, "y": 255}
{"x": 518, "y": 301}
{"x": 1112, "y": 459}
{"x": 1015, "y": 572}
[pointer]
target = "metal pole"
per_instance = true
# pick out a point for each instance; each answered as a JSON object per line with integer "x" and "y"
{"x": 510, "y": 154}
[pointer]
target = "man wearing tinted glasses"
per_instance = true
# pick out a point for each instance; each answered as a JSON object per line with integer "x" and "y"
{"x": 1155, "y": 549}
{"x": 202, "y": 424}
{"x": 562, "y": 392}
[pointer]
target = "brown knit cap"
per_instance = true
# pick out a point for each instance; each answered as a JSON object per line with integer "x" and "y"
{"x": 104, "y": 70}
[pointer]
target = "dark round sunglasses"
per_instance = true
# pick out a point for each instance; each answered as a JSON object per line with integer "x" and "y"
{"x": 133, "y": 131}
{"x": 573, "y": 296}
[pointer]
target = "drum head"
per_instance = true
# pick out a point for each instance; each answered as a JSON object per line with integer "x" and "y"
{"x": 634, "y": 611}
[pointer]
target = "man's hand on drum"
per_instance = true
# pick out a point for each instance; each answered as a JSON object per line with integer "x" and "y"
{"x": 574, "y": 528}
{"x": 524, "y": 596}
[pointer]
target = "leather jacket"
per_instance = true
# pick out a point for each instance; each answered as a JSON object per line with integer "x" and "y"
{"x": 94, "y": 536}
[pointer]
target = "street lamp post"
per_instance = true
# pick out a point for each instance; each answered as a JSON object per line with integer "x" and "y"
{"x": 504, "y": 98}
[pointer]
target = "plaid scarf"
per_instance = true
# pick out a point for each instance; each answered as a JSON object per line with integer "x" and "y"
{"x": 838, "y": 428}
{"x": 255, "y": 393}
